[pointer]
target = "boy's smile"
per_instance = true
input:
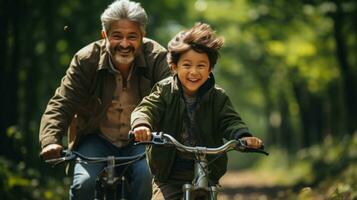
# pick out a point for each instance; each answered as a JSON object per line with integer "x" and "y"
{"x": 193, "y": 70}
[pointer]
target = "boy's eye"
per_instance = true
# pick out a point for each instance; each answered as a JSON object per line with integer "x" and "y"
{"x": 186, "y": 65}
{"x": 201, "y": 66}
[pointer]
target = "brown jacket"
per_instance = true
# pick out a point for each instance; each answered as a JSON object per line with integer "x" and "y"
{"x": 87, "y": 89}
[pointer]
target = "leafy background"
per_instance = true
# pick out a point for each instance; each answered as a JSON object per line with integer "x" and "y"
{"x": 288, "y": 66}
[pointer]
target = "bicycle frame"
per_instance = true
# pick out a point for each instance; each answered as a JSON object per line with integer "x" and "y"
{"x": 107, "y": 181}
{"x": 200, "y": 187}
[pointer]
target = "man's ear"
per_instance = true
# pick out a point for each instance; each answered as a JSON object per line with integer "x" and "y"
{"x": 104, "y": 35}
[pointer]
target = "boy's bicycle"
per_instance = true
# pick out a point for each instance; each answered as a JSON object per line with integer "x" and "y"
{"x": 200, "y": 187}
{"x": 108, "y": 181}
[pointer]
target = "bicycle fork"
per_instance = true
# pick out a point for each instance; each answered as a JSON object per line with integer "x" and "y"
{"x": 200, "y": 186}
{"x": 106, "y": 190}
{"x": 189, "y": 192}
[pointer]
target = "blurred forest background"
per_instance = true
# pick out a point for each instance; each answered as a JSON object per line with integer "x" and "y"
{"x": 290, "y": 68}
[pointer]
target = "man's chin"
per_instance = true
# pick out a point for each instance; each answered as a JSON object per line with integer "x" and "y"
{"x": 124, "y": 60}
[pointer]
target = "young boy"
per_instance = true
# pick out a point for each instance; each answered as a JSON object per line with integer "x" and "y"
{"x": 190, "y": 107}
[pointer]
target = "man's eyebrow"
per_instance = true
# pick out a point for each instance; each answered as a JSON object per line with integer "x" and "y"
{"x": 118, "y": 32}
{"x": 133, "y": 33}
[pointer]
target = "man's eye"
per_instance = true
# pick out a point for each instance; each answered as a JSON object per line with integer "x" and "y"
{"x": 117, "y": 37}
{"x": 132, "y": 37}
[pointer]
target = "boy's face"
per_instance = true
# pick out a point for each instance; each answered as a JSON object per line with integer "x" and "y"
{"x": 193, "y": 69}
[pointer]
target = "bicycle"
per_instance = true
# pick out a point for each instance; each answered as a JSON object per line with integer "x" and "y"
{"x": 108, "y": 181}
{"x": 200, "y": 187}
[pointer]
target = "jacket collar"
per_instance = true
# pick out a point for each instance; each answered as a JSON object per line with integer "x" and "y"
{"x": 139, "y": 60}
{"x": 177, "y": 87}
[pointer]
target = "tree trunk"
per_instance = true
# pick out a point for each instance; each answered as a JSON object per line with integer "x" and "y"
{"x": 8, "y": 75}
{"x": 311, "y": 115}
{"x": 348, "y": 75}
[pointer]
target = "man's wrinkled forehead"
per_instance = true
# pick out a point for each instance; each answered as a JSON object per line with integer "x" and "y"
{"x": 134, "y": 26}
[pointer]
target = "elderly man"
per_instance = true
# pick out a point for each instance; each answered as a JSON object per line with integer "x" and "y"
{"x": 103, "y": 84}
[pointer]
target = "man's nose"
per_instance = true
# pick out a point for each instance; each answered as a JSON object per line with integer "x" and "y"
{"x": 124, "y": 43}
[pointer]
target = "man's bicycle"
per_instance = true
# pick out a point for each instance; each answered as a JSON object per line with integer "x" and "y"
{"x": 110, "y": 185}
{"x": 200, "y": 187}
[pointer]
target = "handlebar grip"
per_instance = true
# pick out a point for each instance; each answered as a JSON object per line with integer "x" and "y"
{"x": 261, "y": 151}
{"x": 64, "y": 152}
{"x": 131, "y": 136}
{"x": 243, "y": 146}
{"x": 65, "y": 155}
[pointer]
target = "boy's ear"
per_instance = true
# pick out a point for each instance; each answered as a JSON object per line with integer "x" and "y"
{"x": 173, "y": 67}
{"x": 104, "y": 35}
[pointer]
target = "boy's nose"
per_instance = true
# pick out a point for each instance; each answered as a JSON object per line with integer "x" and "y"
{"x": 194, "y": 70}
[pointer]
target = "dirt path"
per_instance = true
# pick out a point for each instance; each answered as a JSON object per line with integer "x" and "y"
{"x": 248, "y": 185}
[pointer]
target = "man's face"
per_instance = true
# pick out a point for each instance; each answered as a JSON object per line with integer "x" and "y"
{"x": 193, "y": 70}
{"x": 123, "y": 41}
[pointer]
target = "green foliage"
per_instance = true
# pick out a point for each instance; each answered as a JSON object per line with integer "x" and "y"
{"x": 15, "y": 185}
{"x": 14, "y": 132}
{"x": 18, "y": 181}
{"x": 4, "y": 176}
{"x": 327, "y": 170}
{"x": 288, "y": 66}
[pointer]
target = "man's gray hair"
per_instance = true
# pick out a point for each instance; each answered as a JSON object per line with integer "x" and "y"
{"x": 124, "y": 9}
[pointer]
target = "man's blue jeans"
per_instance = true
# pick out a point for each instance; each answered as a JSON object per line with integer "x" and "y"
{"x": 84, "y": 175}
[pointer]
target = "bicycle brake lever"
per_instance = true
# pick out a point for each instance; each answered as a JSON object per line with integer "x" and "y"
{"x": 67, "y": 155}
{"x": 55, "y": 161}
{"x": 149, "y": 142}
{"x": 261, "y": 151}
{"x": 142, "y": 143}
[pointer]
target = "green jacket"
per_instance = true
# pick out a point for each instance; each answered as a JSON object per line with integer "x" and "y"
{"x": 87, "y": 89}
{"x": 163, "y": 110}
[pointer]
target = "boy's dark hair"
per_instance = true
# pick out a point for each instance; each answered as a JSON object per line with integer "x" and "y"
{"x": 201, "y": 38}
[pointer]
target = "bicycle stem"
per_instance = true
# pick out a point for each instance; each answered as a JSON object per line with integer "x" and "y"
{"x": 111, "y": 172}
{"x": 201, "y": 167}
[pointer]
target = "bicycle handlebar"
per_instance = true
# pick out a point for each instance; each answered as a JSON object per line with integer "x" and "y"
{"x": 69, "y": 155}
{"x": 160, "y": 138}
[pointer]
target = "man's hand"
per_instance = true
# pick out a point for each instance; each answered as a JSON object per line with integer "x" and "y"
{"x": 253, "y": 142}
{"x": 142, "y": 134}
{"x": 51, "y": 151}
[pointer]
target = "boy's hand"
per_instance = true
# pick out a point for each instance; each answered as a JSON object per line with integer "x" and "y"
{"x": 253, "y": 142}
{"x": 142, "y": 134}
